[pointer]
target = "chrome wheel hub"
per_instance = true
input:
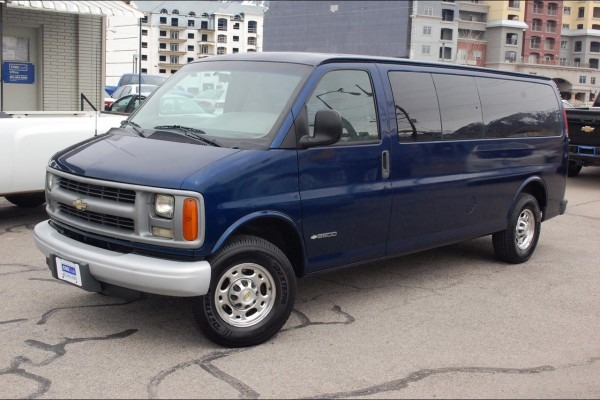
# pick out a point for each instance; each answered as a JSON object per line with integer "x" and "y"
{"x": 245, "y": 295}
{"x": 525, "y": 229}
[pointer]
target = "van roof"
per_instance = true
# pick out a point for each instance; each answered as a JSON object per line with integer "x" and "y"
{"x": 315, "y": 59}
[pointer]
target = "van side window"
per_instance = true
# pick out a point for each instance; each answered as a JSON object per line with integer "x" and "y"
{"x": 416, "y": 104}
{"x": 459, "y": 107}
{"x": 518, "y": 109}
{"x": 351, "y": 94}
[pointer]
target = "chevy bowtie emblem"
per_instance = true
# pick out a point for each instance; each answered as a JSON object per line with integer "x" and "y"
{"x": 587, "y": 129}
{"x": 79, "y": 204}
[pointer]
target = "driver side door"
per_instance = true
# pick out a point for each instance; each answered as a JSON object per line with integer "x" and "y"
{"x": 344, "y": 187}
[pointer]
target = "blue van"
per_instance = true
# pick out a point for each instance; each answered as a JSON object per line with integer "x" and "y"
{"x": 312, "y": 162}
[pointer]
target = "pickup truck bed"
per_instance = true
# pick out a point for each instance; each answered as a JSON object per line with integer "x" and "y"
{"x": 584, "y": 138}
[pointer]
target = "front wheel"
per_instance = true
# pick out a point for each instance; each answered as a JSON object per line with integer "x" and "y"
{"x": 251, "y": 293}
{"x": 517, "y": 242}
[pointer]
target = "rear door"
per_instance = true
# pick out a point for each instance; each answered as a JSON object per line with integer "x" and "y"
{"x": 438, "y": 195}
{"x": 344, "y": 187}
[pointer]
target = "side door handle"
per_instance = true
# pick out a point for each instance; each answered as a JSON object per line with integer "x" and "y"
{"x": 385, "y": 164}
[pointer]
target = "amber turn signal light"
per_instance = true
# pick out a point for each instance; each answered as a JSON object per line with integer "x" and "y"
{"x": 190, "y": 219}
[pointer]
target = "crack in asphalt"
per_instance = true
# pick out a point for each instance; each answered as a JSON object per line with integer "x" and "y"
{"x": 13, "y": 229}
{"x": 10, "y": 321}
{"x": 49, "y": 313}
{"x": 59, "y": 350}
{"x": 584, "y": 216}
{"x": 48, "y": 280}
{"x": 403, "y": 383}
{"x": 434, "y": 291}
{"x": 205, "y": 363}
{"x": 305, "y": 321}
{"x": 43, "y": 384}
{"x": 29, "y": 268}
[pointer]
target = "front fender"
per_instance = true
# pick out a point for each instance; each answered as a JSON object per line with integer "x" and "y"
{"x": 247, "y": 219}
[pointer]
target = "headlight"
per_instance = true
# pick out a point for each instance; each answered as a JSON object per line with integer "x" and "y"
{"x": 49, "y": 181}
{"x": 164, "y": 205}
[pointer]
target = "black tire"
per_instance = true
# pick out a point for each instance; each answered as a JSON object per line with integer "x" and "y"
{"x": 240, "y": 309}
{"x": 574, "y": 169}
{"x": 518, "y": 241}
{"x": 27, "y": 200}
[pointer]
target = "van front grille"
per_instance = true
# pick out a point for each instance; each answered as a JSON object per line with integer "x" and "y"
{"x": 97, "y": 191}
{"x": 125, "y": 224}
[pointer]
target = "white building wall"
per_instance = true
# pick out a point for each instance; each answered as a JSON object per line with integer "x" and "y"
{"x": 71, "y": 55}
{"x": 122, "y": 47}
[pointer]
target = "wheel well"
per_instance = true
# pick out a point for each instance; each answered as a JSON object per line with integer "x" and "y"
{"x": 282, "y": 235}
{"x": 537, "y": 190}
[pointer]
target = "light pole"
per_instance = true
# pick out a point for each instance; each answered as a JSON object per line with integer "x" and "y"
{"x": 140, "y": 60}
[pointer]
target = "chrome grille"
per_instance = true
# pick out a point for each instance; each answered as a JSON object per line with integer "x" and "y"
{"x": 98, "y": 191}
{"x": 120, "y": 211}
{"x": 125, "y": 224}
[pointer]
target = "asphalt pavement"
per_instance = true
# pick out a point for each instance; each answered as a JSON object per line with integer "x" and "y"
{"x": 448, "y": 323}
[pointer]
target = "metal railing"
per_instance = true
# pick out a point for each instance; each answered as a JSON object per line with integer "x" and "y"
{"x": 82, "y": 98}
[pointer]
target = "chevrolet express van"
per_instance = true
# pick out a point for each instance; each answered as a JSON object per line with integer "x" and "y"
{"x": 312, "y": 162}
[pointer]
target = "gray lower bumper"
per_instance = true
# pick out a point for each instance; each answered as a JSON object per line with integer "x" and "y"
{"x": 132, "y": 271}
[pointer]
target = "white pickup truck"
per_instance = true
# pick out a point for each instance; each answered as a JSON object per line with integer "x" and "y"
{"x": 29, "y": 139}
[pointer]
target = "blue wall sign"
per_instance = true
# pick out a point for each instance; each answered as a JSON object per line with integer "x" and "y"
{"x": 18, "y": 72}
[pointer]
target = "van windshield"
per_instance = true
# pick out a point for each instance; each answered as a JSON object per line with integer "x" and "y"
{"x": 233, "y": 103}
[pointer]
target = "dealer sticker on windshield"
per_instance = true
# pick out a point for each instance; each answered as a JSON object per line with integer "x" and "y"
{"x": 68, "y": 271}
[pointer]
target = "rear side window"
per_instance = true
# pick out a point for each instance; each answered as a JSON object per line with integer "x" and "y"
{"x": 351, "y": 94}
{"x": 518, "y": 108}
{"x": 416, "y": 104}
{"x": 459, "y": 107}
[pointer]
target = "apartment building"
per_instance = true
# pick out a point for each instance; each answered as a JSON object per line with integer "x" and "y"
{"x": 580, "y": 34}
{"x": 542, "y": 39}
{"x": 449, "y": 31}
{"x": 535, "y": 37}
{"x": 174, "y": 33}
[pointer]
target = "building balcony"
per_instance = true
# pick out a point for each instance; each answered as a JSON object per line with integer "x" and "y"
{"x": 171, "y": 40}
{"x": 167, "y": 65}
{"x": 472, "y": 25}
{"x": 471, "y": 40}
{"x": 167, "y": 52}
{"x": 473, "y": 7}
{"x": 207, "y": 42}
{"x": 173, "y": 27}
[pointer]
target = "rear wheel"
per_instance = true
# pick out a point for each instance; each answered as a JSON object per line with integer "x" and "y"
{"x": 27, "y": 200}
{"x": 251, "y": 294}
{"x": 517, "y": 242}
{"x": 574, "y": 169}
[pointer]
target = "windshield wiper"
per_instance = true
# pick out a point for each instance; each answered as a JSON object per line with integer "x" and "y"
{"x": 191, "y": 133}
{"x": 138, "y": 129}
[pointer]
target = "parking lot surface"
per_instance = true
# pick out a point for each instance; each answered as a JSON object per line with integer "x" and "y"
{"x": 448, "y": 323}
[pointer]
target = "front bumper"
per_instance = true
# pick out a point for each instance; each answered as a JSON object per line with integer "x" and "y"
{"x": 132, "y": 271}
